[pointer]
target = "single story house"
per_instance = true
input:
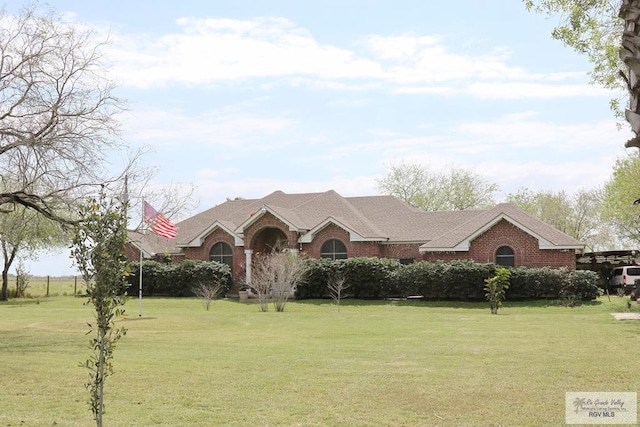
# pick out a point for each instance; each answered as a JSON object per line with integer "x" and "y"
{"x": 329, "y": 225}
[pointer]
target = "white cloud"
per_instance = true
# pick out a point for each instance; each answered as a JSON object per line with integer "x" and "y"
{"x": 228, "y": 51}
{"x": 521, "y": 131}
{"x": 512, "y": 90}
{"x": 213, "y": 50}
{"x": 519, "y": 90}
{"x": 400, "y": 48}
{"x": 569, "y": 175}
{"x": 222, "y": 127}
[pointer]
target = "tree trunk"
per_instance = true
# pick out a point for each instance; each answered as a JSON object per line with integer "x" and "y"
{"x": 630, "y": 55}
{"x": 101, "y": 362}
{"x": 9, "y": 256}
{"x": 4, "y": 295}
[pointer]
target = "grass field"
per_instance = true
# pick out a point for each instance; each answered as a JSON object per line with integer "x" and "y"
{"x": 370, "y": 364}
{"x": 57, "y": 286}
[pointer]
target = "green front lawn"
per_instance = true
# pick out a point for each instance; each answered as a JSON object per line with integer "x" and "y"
{"x": 371, "y": 363}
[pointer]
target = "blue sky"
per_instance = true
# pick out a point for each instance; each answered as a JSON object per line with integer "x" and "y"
{"x": 242, "y": 98}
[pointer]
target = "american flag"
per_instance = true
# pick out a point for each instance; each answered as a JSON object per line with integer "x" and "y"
{"x": 159, "y": 223}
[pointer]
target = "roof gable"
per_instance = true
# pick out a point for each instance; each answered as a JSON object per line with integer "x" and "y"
{"x": 354, "y": 236}
{"x": 198, "y": 240}
{"x": 460, "y": 238}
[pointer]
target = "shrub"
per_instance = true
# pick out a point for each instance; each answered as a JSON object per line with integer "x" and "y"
{"x": 153, "y": 274}
{"x": 22, "y": 280}
{"x": 535, "y": 283}
{"x": 178, "y": 279}
{"x": 207, "y": 292}
{"x": 317, "y": 279}
{"x": 463, "y": 280}
{"x": 365, "y": 277}
{"x": 369, "y": 277}
{"x": 495, "y": 288}
{"x": 583, "y": 284}
{"x": 420, "y": 278}
{"x": 276, "y": 275}
{"x": 439, "y": 280}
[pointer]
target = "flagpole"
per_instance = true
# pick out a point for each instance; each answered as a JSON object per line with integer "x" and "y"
{"x": 160, "y": 226}
{"x": 140, "y": 284}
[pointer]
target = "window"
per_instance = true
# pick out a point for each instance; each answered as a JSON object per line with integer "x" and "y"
{"x": 333, "y": 249}
{"x": 505, "y": 257}
{"x": 221, "y": 252}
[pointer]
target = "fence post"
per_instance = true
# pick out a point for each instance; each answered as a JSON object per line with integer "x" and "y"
{"x": 75, "y": 285}
{"x": 48, "y": 285}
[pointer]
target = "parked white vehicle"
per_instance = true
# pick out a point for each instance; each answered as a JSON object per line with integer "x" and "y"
{"x": 624, "y": 277}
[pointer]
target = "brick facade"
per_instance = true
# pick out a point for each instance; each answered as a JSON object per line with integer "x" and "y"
{"x": 268, "y": 230}
{"x": 331, "y": 231}
{"x": 525, "y": 248}
{"x": 219, "y": 235}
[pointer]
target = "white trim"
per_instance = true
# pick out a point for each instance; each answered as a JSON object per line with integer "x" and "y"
{"x": 253, "y": 218}
{"x": 197, "y": 241}
{"x": 353, "y": 236}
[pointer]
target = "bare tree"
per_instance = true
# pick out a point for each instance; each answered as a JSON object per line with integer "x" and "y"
{"x": 275, "y": 276}
{"x": 337, "y": 285}
{"x": 207, "y": 292}
{"x": 57, "y": 113}
{"x": 261, "y": 281}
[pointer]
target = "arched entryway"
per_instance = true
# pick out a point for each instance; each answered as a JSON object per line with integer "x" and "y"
{"x": 264, "y": 242}
{"x": 268, "y": 239}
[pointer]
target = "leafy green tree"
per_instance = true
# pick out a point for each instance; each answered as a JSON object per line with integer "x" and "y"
{"x": 25, "y": 231}
{"x": 579, "y": 215}
{"x": 620, "y": 192}
{"x": 456, "y": 189}
{"x": 607, "y": 32}
{"x": 98, "y": 248}
{"x": 592, "y": 28}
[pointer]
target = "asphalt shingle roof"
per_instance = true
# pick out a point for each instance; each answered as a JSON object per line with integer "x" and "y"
{"x": 383, "y": 218}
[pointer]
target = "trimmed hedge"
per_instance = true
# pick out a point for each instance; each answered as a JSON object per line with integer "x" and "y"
{"x": 458, "y": 280}
{"x": 316, "y": 281}
{"x": 439, "y": 280}
{"x": 380, "y": 278}
{"x": 370, "y": 277}
{"x": 367, "y": 277}
{"x": 177, "y": 280}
